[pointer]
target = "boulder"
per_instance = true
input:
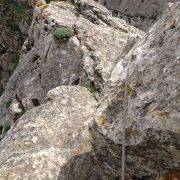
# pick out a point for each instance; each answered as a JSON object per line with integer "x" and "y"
{"x": 46, "y": 138}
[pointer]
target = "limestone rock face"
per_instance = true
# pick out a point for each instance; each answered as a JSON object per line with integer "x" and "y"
{"x": 65, "y": 131}
{"x": 139, "y": 13}
{"x": 152, "y": 127}
{"x": 84, "y": 59}
{"x": 47, "y": 137}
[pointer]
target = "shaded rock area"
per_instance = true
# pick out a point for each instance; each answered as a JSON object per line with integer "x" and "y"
{"x": 15, "y": 19}
{"x": 62, "y": 109}
{"x": 139, "y": 13}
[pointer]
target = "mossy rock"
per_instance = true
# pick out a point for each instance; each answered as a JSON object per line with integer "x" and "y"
{"x": 63, "y": 33}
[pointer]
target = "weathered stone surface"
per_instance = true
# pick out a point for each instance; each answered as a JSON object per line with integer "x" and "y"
{"x": 52, "y": 141}
{"x": 47, "y": 137}
{"x": 85, "y": 58}
{"x": 139, "y": 13}
{"x": 152, "y": 127}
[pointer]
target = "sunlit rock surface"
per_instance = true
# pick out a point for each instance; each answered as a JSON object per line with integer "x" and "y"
{"x": 47, "y": 137}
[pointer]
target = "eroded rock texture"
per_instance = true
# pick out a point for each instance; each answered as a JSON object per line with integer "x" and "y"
{"x": 75, "y": 133}
{"x": 47, "y": 137}
{"x": 152, "y": 128}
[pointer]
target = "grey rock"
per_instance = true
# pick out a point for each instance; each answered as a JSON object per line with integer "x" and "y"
{"x": 152, "y": 125}
{"x": 46, "y": 138}
{"x": 88, "y": 56}
{"x": 72, "y": 136}
{"x": 139, "y": 13}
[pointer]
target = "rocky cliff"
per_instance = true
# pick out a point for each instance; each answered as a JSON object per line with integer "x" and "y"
{"x": 65, "y": 104}
{"x": 50, "y": 59}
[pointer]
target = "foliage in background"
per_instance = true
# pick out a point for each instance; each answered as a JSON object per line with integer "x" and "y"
{"x": 13, "y": 13}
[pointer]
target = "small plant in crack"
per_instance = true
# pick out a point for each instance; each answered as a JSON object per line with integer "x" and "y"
{"x": 91, "y": 87}
{"x": 8, "y": 103}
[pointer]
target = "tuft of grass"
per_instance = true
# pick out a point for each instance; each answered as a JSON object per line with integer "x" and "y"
{"x": 63, "y": 33}
{"x": 21, "y": 10}
{"x": 91, "y": 87}
{"x": 164, "y": 116}
{"x": 8, "y": 103}
{"x": 103, "y": 121}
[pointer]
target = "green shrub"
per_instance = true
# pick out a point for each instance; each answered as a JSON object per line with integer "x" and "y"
{"x": 63, "y": 33}
{"x": 8, "y": 103}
